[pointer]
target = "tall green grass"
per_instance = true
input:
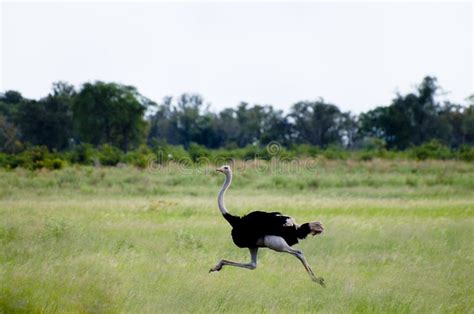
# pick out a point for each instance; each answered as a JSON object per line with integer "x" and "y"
{"x": 82, "y": 239}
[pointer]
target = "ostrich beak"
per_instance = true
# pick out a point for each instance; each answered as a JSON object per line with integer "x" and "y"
{"x": 316, "y": 228}
{"x": 218, "y": 170}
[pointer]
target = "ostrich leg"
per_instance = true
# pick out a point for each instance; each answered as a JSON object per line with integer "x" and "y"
{"x": 279, "y": 244}
{"x": 251, "y": 265}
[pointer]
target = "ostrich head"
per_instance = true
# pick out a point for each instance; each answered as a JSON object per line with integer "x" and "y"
{"x": 225, "y": 170}
{"x": 315, "y": 228}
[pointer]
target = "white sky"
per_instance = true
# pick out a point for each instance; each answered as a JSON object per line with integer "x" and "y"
{"x": 355, "y": 55}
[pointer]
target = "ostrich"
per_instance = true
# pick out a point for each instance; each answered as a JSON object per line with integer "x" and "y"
{"x": 261, "y": 229}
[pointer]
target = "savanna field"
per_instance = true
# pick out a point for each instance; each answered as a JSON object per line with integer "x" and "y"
{"x": 398, "y": 238}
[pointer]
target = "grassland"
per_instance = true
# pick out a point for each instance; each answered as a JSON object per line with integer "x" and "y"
{"x": 82, "y": 239}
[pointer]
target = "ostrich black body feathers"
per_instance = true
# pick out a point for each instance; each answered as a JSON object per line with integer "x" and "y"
{"x": 247, "y": 230}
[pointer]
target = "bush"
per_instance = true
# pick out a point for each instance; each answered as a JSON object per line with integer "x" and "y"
{"x": 8, "y": 161}
{"x": 82, "y": 154}
{"x": 54, "y": 164}
{"x": 251, "y": 152}
{"x": 335, "y": 152}
{"x": 366, "y": 156}
{"x": 38, "y": 157}
{"x": 33, "y": 158}
{"x": 466, "y": 153}
{"x": 274, "y": 150}
{"x": 165, "y": 153}
{"x": 109, "y": 155}
{"x": 431, "y": 150}
{"x": 373, "y": 144}
{"x": 305, "y": 150}
{"x": 197, "y": 151}
{"x": 139, "y": 158}
{"x": 224, "y": 156}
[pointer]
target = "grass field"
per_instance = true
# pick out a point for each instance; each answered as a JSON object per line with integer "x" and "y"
{"x": 398, "y": 238}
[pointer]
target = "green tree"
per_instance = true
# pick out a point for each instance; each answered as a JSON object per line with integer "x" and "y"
{"x": 162, "y": 124}
{"x": 9, "y": 132}
{"x": 9, "y": 136}
{"x": 110, "y": 113}
{"x": 185, "y": 121}
{"x": 467, "y": 124}
{"x": 261, "y": 124}
{"x": 410, "y": 120}
{"x": 349, "y": 128}
{"x": 49, "y": 120}
{"x": 228, "y": 128}
{"x": 9, "y": 102}
{"x": 316, "y": 123}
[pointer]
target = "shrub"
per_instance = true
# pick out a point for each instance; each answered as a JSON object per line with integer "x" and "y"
{"x": 82, "y": 154}
{"x": 8, "y": 161}
{"x": 366, "y": 156}
{"x": 221, "y": 156}
{"x": 466, "y": 153}
{"x": 431, "y": 150}
{"x": 54, "y": 164}
{"x": 165, "y": 153}
{"x": 335, "y": 152}
{"x": 109, "y": 155}
{"x": 197, "y": 151}
{"x": 373, "y": 144}
{"x": 271, "y": 150}
{"x": 305, "y": 150}
{"x": 33, "y": 158}
{"x": 250, "y": 152}
{"x": 140, "y": 157}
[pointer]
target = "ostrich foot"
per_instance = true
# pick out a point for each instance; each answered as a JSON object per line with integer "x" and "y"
{"x": 320, "y": 280}
{"x": 216, "y": 268}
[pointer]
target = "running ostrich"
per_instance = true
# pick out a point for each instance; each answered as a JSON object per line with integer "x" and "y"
{"x": 262, "y": 229}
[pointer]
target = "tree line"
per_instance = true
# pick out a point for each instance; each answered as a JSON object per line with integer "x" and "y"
{"x": 118, "y": 115}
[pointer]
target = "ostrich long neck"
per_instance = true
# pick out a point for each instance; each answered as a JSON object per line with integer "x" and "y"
{"x": 220, "y": 198}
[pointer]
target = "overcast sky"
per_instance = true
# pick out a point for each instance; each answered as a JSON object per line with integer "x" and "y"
{"x": 355, "y": 55}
